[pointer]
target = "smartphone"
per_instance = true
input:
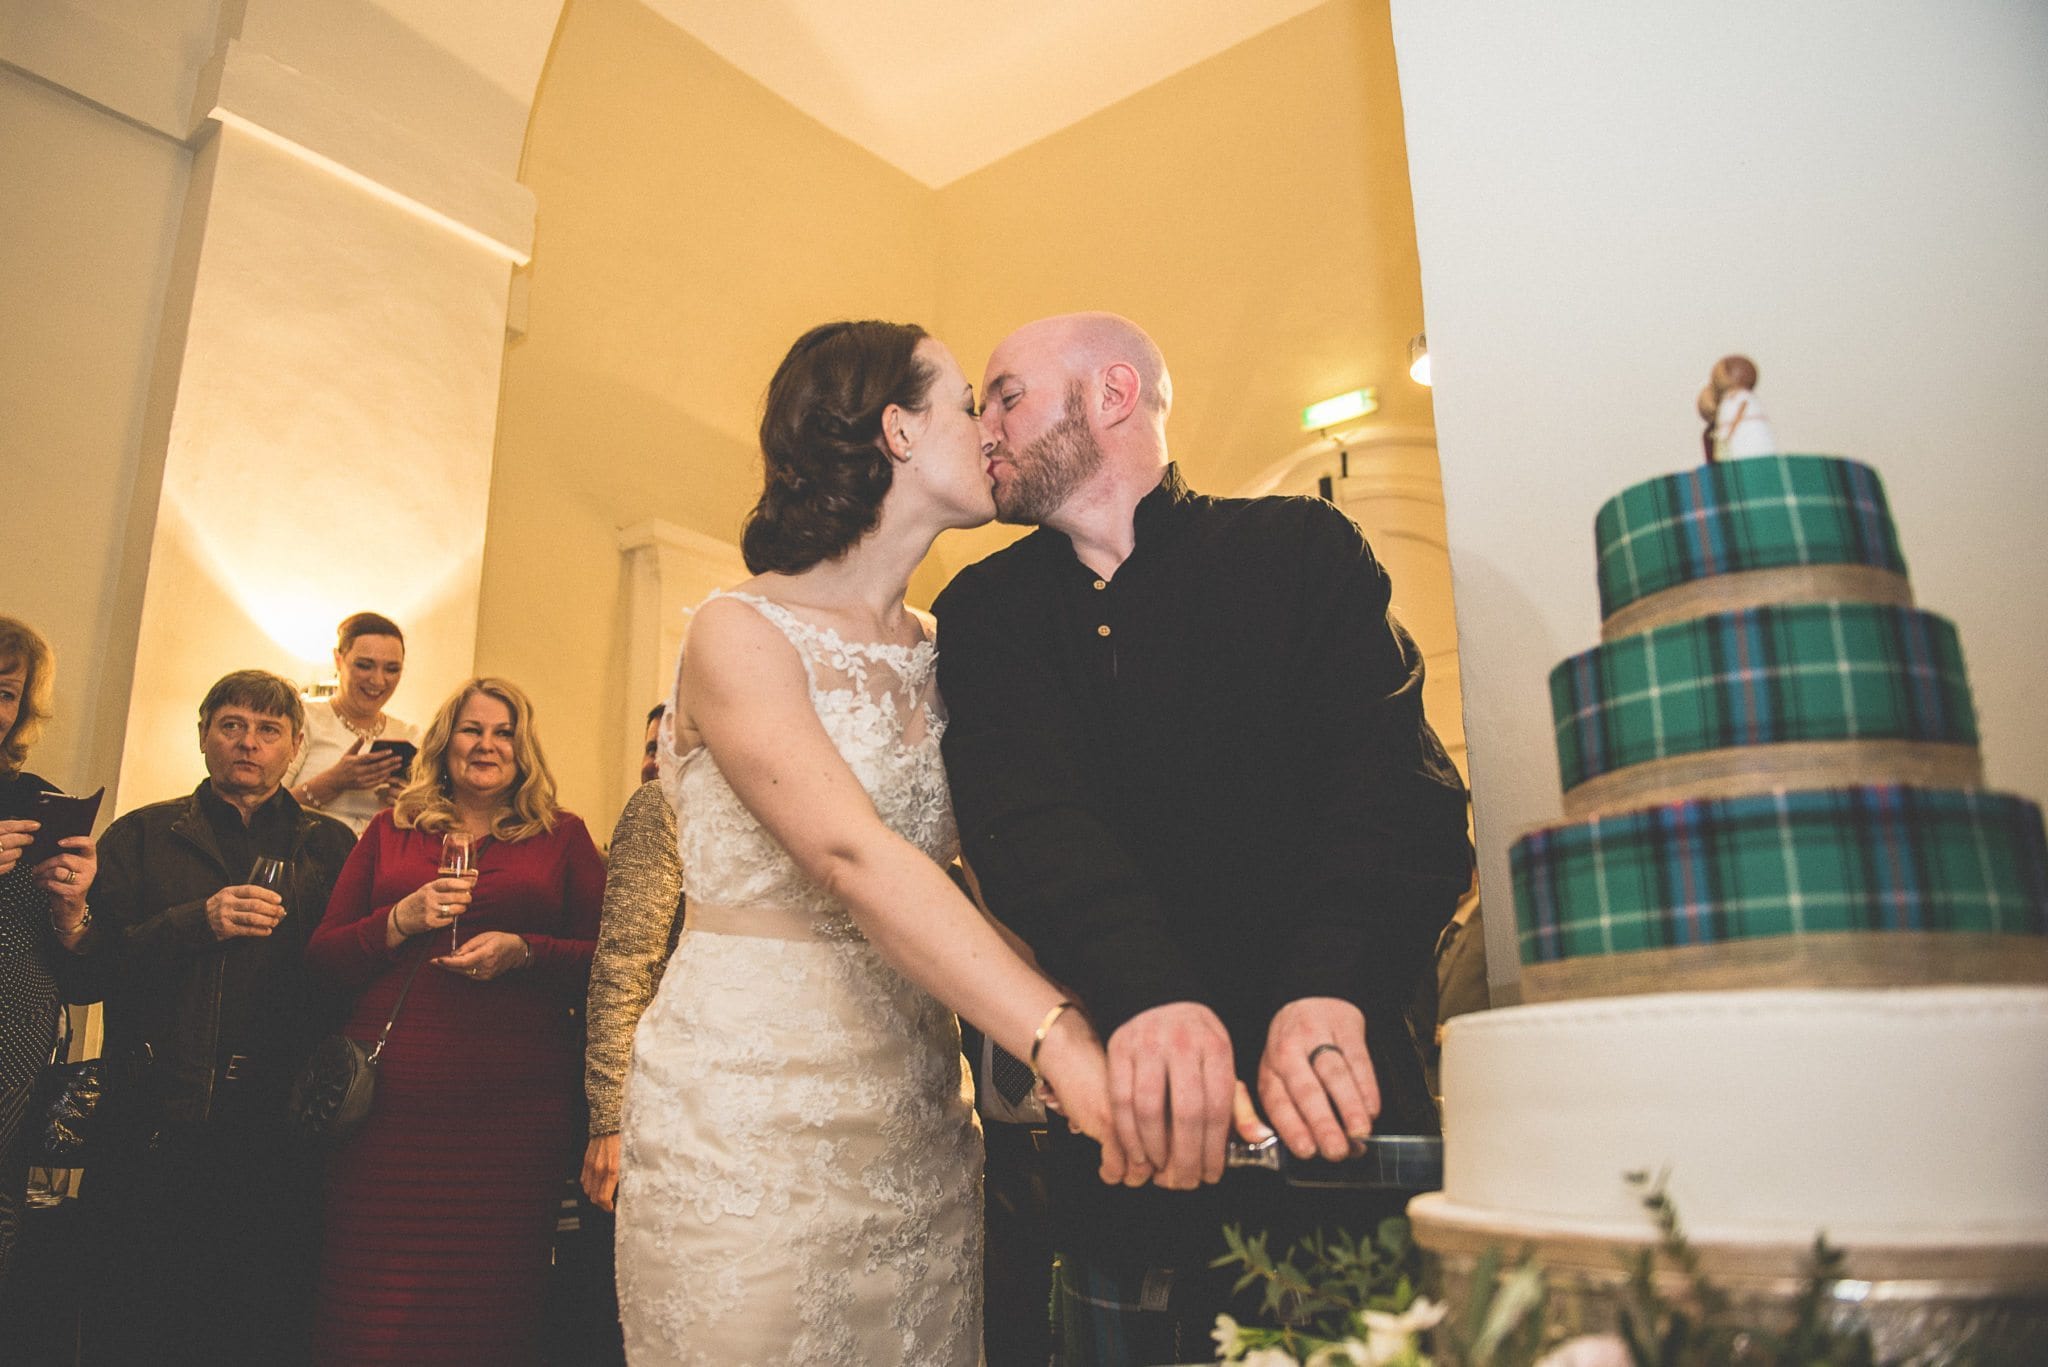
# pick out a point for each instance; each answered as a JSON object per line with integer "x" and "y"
{"x": 404, "y": 749}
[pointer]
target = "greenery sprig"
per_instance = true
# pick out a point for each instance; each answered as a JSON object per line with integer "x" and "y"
{"x": 1339, "y": 1302}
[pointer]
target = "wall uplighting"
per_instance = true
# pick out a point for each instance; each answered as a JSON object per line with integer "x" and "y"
{"x": 1358, "y": 403}
{"x": 1418, "y": 358}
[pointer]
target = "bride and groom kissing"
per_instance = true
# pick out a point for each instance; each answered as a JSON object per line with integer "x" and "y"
{"x": 1179, "y": 744}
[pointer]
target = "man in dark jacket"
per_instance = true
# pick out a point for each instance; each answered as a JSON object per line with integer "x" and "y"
{"x": 205, "y": 1212}
{"x": 1191, "y": 770}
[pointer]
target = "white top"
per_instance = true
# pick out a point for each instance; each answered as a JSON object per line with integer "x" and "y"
{"x": 328, "y": 737}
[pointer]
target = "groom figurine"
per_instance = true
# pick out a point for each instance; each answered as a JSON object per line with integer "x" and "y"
{"x": 1191, "y": 771}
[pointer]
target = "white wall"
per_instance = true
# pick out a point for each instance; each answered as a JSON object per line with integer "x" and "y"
{"x": 88, "y": 220}
{"x": 1608, "y": 196}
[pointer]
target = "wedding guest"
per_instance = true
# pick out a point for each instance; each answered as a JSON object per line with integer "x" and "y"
{"x": 208, "y": 1214}
{"x": 650, "y": 764}
{"x": 643, "y": 915}
{"x": 43, "y": 912}
{"x": 338, "y": 770}
{"x": 441, "y": 1208}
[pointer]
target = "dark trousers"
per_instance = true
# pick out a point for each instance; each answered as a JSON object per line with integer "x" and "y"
{"x": 1124, "y": 1309}
{"x": 1017, "y": 1249}
{"x": 207, "y": 1249}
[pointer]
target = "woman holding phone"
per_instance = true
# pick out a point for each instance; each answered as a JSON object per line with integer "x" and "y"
{"x": 42, "y": 911}
{"x": 356, "y": 755}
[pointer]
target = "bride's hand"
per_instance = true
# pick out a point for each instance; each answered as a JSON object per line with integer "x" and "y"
{"x": 1076, "y": 1074}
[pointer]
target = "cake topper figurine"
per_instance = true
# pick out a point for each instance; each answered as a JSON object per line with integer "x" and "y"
{"x": 1736, "y": 425}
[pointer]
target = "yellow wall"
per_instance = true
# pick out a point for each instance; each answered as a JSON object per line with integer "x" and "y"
{"x": 1252, "y": 212}
{"x": 691, "y": 225}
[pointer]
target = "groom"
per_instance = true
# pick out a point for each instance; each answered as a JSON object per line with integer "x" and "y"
{"x": 1191, "y": 770}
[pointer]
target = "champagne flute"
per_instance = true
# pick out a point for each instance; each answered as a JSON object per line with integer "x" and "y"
{"x": 458, "y": 854}
{"x": 273, "y": 874}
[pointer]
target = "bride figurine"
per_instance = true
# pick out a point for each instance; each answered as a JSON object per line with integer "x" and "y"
{"x": 801, "y": 1169}
{"x": 1736, "y": 425}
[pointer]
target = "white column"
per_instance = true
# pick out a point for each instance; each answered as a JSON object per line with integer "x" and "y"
{"x": 666, "y": 571}
{"x": 1396, "y": 496}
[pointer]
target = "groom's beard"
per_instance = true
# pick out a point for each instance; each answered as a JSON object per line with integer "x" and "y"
{"x": 1045, "y": 474}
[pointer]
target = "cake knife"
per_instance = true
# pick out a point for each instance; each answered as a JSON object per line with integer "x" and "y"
{"x": 1389, "y": 1162}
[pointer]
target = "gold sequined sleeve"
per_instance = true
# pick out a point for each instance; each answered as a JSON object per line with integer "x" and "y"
{"x": 643, "y": 888}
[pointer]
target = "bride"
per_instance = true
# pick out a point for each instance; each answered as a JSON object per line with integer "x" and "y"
{"x": 801, "y": 1165}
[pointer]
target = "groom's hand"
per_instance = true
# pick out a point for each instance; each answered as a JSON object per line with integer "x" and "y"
{"x": 1316, "y": 1079}
{"x": 1171, "y": 1076}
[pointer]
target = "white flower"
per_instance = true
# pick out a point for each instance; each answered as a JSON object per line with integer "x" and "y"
{"x": 1270, "y": 1357}
{"x": 1350, "y": 1353}
{"x": 1229, "y": 1342}
{"x": 1588, "y": 1350}
{"x": 1388, "y": 1336}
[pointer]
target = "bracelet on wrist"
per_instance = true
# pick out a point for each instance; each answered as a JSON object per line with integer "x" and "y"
{"x": 1060, "y": 1008}
{"x": 84, "y": 924}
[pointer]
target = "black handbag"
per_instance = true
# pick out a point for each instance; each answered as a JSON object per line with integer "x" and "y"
{"x": 81, "y": 1106}
{"x": 330, "y": 1097}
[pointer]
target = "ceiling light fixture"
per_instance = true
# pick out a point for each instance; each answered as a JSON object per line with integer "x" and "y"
{"x": 1418, "y": 358}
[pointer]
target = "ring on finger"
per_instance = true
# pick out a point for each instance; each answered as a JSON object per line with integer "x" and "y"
{"x": 1319, "y": 1049}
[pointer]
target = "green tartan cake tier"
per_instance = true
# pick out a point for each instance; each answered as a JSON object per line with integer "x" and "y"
{"x": 1802, "y": 863}
{"x": 1760, "y": 513}
{"x": 1761, "y": 676}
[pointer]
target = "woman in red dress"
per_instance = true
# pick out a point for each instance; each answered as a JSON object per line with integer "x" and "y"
{"x": 440, "y": 1209}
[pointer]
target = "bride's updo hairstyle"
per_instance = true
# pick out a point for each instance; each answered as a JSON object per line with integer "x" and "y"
{"x": 821, "y": 441}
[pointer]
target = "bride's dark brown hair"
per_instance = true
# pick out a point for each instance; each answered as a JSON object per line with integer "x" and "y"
{"x": 827, "y": 468}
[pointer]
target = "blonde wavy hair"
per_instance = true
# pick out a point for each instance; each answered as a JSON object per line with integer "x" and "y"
{"x": 426, "y": 804}
{"x": 21, "y": 644}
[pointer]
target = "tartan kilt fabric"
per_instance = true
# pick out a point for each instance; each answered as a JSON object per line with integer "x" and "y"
{"x": 1761, "y": 513}
{"x": 1789, "y": 863}
{"x": 1805, "y": 672}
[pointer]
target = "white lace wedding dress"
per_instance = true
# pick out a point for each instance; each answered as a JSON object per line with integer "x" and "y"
{"x": 801, "y": 1173}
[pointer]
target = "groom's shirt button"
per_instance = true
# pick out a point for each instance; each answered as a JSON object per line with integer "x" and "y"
{"x": 1102, "y": 583}
{"x": 1102, "y": 630}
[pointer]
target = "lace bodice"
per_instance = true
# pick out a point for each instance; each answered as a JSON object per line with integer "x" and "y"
{"x": 879, "y": 704}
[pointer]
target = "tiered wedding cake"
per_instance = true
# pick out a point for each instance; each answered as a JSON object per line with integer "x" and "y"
{"x": 1788, "y": 953}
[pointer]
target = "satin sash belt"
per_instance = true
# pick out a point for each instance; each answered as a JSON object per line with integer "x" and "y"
{"x": 767, "y": 923}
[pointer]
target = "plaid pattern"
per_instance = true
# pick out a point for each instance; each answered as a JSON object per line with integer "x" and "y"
{"x": 1806, "y": 672}
{"x": 1765, "y": 512}
{"x": 1789, "y": 863}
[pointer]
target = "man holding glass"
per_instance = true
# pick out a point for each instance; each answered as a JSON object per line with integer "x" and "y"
{"x": 204, "y": 1213}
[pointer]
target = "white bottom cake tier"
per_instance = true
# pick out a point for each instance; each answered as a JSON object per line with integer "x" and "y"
{"x": 1898, "y": 1117}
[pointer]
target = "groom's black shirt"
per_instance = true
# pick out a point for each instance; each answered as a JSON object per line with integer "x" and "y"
{"x": 1208, "y": 778}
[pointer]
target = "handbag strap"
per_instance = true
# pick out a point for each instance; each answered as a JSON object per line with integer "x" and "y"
{"x": 392, "y": 1019}
{"x": 60, "y": 1048}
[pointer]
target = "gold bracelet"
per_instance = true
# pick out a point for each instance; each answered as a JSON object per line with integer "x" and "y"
{"x": 1060, "y": 1008}
{"x": 84, "y": 924}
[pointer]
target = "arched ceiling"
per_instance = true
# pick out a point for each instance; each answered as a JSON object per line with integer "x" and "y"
{"x": 939, "y": 89}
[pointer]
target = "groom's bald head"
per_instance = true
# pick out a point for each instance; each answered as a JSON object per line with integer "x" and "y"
{"x": 1083, "y": 346}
